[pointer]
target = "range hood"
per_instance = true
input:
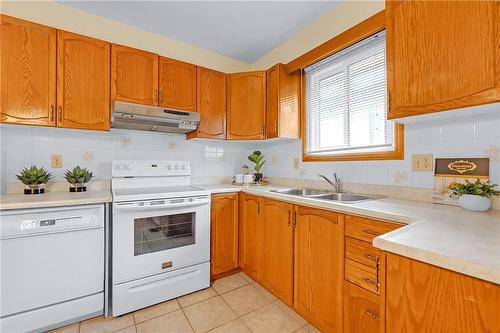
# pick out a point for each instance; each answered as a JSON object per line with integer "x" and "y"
{"x": 152, "y": 118}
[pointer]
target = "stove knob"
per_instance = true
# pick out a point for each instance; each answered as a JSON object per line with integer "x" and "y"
{"x": 169, "y": 167}
{"x": 176, "y": 167}
{"x": 183, "y": 166}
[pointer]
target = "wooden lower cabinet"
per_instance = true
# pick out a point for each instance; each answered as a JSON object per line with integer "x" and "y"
{"x": 250, "y": 235}
{"x": 277, "y": 249}
{"x": 224, "y": 234}
{"x": 319, "y": 267}
{"x": 425, "y": 298}
{"x": 363, "y": 310}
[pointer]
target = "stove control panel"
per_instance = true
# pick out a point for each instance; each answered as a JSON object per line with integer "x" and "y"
{"x": 132, "y": 168}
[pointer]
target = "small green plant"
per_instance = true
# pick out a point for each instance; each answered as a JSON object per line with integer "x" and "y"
{"x": 482, "y": 189}
{"x": 78, "y": 176}
{"x": 258, "y": 159}
{"x": 34, "y": 176}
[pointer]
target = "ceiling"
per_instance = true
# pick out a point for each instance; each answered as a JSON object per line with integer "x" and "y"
{"x": 244, "y": 30}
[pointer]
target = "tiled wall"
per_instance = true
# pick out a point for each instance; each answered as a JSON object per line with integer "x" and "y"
{"x": 477, "y": 136}
{"x": 26, "y": 145}
{"x": 461, "y": 137}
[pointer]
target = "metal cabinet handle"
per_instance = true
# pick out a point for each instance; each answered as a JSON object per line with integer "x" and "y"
{"x": 370, "y": 281}
{"x": 289, "y": 218}
{"x": 372, "y": 315}
{"x": 370, "y": 257}
{"x": 371, "y": 232}
{"x": 59, "y": 113}
{"x": 51, "y": 108}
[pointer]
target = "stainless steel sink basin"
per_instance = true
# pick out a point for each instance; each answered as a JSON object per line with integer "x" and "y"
{"x": 303, "y": 192}
{"x": 345, "y": 197}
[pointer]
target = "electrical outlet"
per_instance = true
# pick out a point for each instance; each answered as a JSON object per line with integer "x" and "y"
{"x": 422, "y": 162}
{"x": 296, "y": 164}
{"x": 56, "y": 161}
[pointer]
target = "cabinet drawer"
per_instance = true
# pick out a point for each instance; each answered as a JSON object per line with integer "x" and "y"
{"x": 367, "y": 229}
{"x": 361, "y": 252}
{"x": 361, "y": 275}
{"x": 363, "y": 310}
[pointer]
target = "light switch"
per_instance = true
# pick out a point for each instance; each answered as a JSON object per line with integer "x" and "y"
{"x": 422, "y": 162}
{"x": 56, "y": 161}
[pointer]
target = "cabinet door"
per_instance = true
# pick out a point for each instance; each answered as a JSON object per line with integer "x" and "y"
{"x": 28, "y": 65}
{"x": 319, "y": 275}
{"x": 442, "y": 55}
{"x": 83, "y": 75}
{"x": 424, "y": 298}
{"x": 177, "y": 84}
{"x": 224, "y": 233}
{"x": 246, "y": 101}
{"x": 211, "y": 104}
{"x": 134, "y": 75}
{"x": 282, "y": 100}
{"x": 277, "y": 249}
{"x": 250, "y": 236}
{"x": 362, "y": 310}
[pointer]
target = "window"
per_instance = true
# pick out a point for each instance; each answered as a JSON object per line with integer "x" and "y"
{"x": 346, "y": 104}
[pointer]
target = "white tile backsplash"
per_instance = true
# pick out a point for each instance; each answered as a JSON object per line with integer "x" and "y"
{"x": 22, "y": 146}
{"x": 472, "y": 136}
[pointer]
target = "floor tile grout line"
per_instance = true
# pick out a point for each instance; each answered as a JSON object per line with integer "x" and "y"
{"x": 278, "y": 300}
{"x": 159, "y": 315}
{"x": 189, "y": 323}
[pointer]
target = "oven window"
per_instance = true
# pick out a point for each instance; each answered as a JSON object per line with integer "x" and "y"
{"x": 158, "y": 233}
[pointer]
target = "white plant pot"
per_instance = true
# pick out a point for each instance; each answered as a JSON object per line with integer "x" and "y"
{"x": 474, "y": 202}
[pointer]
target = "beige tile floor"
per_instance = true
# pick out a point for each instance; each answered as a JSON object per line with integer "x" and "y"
{"x": 234, "y": 304}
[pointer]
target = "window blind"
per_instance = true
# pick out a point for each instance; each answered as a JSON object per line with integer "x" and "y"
{"x": 346, "y": 100}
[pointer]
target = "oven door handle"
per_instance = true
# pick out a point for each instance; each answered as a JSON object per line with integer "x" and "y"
{"x": 136, "y": 207}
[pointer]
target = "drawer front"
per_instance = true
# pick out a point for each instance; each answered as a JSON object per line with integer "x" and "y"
{"x": 362, "y": 252}
{"x": 367, "y": 229}
{"x": 361, "y": 275}
{"x": 363, "y": 311}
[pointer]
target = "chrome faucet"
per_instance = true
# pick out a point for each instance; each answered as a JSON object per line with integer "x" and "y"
{"x": 337, "y": 184}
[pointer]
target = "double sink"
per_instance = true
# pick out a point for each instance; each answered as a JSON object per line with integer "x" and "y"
{"x": 345, "y": 197}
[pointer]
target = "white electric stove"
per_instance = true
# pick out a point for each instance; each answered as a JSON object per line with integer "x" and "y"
{"x": 160, "y": 234}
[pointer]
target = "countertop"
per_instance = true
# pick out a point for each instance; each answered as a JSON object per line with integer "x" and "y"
{"x": 445, "y": 236}
{"x": 53, "y": 199}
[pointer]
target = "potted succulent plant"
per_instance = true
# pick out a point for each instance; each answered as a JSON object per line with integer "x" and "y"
{"x": 475, "y": 196}
{"x": 257, "y": 158}
{"x": 78, "y": 178}
{"x": 34, "y": 179}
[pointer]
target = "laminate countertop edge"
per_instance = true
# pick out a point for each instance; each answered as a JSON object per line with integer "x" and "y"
{"x": 53, "y": 199}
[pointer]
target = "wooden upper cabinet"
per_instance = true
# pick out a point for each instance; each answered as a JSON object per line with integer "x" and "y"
{"x": 319, "y": 262}
{"x": 211, "y": 104}
{"x": 250, "y": 235}
{"x": 28, "y": 67}
{"x": 134, "y": 75}
{"x": 83, "y": 77}
{"x": 277, "y": 249}
{"x": 442, "y": 55}
{"x": 425, "y": 298}
{"x": 246, "y": 105}
{"x": 283, "y": 100}
{"x": 177, "y": 85}
{"x": 224, "y": 233}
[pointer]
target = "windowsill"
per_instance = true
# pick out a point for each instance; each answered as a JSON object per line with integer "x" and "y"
{"x": 396, "y": 154}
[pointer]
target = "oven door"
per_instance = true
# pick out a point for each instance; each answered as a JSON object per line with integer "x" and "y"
{"x": 156, "y": 236}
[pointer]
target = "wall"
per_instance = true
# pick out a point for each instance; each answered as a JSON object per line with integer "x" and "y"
{"x": 340, "y": 18}
{"x": 64, "y": 17}
{"x": 23, "y": 146}
{"x": 472, "y": 136}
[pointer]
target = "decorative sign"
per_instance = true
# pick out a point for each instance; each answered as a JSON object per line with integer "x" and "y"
{"x": 457, "y": 170}
{"x": 462, "y": 167}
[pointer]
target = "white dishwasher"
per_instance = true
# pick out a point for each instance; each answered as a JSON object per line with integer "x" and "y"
{"x": 52, "y": 266}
